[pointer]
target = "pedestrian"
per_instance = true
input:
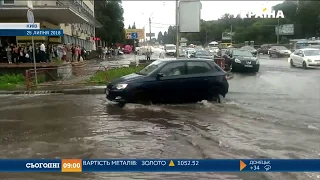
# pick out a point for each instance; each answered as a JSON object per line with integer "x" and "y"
{"x": 9, "y": 54}
{"x": 69, "y": 52}
{"x": 148, "y": 54}
{"x": 42, "y": 53}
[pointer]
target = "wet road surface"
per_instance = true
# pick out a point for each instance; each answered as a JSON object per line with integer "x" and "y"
{"x": 272, "y": 114}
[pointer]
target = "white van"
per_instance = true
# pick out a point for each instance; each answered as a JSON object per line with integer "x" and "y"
{"x": 170, "y": 49}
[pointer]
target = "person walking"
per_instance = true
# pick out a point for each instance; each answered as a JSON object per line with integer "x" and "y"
{"x": 148, "y": 54}
{"x": 9, "y": 54}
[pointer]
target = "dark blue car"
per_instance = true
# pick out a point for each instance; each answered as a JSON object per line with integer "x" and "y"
{"x": 171, "y": 81}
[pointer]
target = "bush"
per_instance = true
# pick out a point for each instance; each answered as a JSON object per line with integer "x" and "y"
{"x": 11, "y": 81}
{"x": 102, "y": 77}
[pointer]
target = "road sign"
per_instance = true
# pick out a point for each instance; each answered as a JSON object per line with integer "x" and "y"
{"x": 140, "y": 33}
{"x": 131, "y": 35}
{"x": 150, "y": 34}
{"x": 285, "y": 29}
{"x": 30, "y": 16}
{"x": 134, "y": 35}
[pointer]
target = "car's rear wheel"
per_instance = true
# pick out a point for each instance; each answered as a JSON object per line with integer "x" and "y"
{"x": 291, "y": 63}
{"x": 214, "y": 95}
{"x": 304, "y": 65}
{"x": 121, "y": 104}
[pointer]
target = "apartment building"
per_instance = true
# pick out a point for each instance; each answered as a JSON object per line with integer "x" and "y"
{"x": 75, "y": 17}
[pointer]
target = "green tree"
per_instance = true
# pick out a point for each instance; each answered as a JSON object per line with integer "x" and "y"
{"x": 129, "y": 27}
{"x": 110, "y": 15}
{"x": 305, "y": 15}
{"x": 134, "y": 25}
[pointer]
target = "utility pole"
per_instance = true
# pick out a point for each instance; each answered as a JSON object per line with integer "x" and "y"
{"x": 150, "y": 29}
{"x": 231, "y": 33}
{"x": 177, "y": 28}
{"x": 278, "y": 30}
{"x": 206, "y": 37}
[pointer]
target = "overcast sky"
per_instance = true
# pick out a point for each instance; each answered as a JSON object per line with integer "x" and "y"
{"x": 163, "y": 12}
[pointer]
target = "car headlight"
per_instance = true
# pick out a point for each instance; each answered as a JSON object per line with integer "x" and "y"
{"x": 309, "y": 60}
{"x": 121, "y": 86}
{"x": 237, "y": 61}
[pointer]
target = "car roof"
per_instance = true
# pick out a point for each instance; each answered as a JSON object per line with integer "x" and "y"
{"x": 184, "y": 59}
{"x": 309, "y": 49}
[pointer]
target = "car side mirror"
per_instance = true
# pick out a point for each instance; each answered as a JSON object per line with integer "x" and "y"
{"x": 301, "y": 55}
{"x": 159, "y": 75}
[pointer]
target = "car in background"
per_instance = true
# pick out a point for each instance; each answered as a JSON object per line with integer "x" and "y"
{"x": 279, "y": 51}
{"x": 307, "y": 57}
{"x": 171, "y": 81}
{"x": 264, "y": 49}
{"x": 170, "y": 49}
{"x": 313, "y": 46}
{"x": 240, "y": 60}
{"x": 204, "y": 54}
{"x": 190, "y": 53}
{"x": 213, "y": 49}
{"x": 251, "y": 49}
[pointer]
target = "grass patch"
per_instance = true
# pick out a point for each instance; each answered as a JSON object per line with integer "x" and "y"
{"x": 11, "y": 81}
{"x": 102, "y": 77}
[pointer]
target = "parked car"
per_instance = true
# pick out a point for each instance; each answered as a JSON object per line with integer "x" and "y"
{"x": 204, "y": 54}
{"x": 238, "y": 60}
{"x": 251, "y": 49}
{"x": 171, "y": 81}
{"x": 279, "y": 51}
{"x": 264, "y": 49}
{"x": 308, "y": 57}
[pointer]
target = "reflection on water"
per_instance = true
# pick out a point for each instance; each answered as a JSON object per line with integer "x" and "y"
{"x": 90, "y": 127}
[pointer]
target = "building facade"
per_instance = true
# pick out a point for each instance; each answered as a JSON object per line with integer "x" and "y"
{"x": 75, "y": 17}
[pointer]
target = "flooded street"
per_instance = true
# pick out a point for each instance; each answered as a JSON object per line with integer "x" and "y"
{"x": 272, "y": 114}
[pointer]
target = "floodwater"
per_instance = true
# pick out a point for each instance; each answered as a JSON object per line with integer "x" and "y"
{"x": 272, "y": 114}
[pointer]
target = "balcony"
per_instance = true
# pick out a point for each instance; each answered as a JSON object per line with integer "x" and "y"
{"x": 43, "y": 10}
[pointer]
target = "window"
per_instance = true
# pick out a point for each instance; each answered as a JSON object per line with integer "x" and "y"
{"x": 151, "y": 67}
{"x": 173, "y": 69}
{"x": 9, "y": 2}
{"x": 198, "y": 67}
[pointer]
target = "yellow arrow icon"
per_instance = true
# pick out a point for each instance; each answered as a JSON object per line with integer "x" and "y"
{"x": 242, "y": 165}
{"x": 171, "y": 163}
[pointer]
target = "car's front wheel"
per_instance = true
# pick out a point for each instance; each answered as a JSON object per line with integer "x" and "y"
{"x": 291, "y": 63}
{"x": 304, "y": 65}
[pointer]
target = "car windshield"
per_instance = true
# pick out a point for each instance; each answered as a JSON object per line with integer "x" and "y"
{"x": 242, "y": 53}
{"x": 311, "y": 52}
{"x": 170, "y": 47}
{"x": 247, "y": 48}
{"x": 151, "y": 67}
{"x": 203, "y": 53}
{"x": 280, "y": 48}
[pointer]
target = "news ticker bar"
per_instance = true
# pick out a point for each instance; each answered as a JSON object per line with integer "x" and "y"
{"x": 31, "y": 32}
{"x": 159, "y": 165}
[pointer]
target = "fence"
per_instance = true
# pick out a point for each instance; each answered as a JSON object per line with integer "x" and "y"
{"x": 70, "y": 74}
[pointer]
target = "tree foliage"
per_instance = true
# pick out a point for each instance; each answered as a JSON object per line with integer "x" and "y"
{"x": 305, "y": 15}
{"x": 110, "y": 15}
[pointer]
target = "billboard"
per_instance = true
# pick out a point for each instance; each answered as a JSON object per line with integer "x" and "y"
{"x": 189, "y": 15}
{"x": 140, "y": 33}
{"x": 285, "y": 29}
{"x": 227, "y": 35}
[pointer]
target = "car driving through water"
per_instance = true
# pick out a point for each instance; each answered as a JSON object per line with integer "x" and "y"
{"x": 171, "y": 81}
{"x": 240, "y": 60}
{"x": 308, "y": 57}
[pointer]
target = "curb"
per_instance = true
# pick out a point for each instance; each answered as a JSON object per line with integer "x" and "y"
{"x": 65, "y": 91}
